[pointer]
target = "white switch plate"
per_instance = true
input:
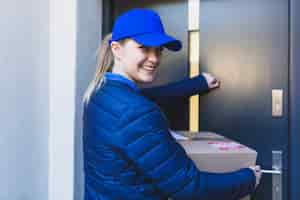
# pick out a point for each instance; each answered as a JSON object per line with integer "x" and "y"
{"x": 277, "y": 102}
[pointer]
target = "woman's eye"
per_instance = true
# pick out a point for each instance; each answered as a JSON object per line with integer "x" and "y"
{"x": 146, "y": 49}
{"x": 142, "y": 47}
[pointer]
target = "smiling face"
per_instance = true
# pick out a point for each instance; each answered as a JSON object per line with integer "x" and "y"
{"x": 135, "y": 61}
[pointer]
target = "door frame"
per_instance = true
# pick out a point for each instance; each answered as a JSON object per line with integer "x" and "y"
{"x": 294, "y": 105}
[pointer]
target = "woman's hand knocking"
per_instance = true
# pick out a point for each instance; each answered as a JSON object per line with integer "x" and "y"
{"x": 212, "y": 82}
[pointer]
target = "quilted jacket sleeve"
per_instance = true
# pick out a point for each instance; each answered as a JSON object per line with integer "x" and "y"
{"x": 147, "y": 142}
{"x": 183, "y": 88}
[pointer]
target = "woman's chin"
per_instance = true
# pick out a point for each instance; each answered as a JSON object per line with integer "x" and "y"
{"x": 147, "y": 78}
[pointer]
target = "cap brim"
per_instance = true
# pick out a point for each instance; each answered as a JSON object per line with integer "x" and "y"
{"x": 157, "y": 40}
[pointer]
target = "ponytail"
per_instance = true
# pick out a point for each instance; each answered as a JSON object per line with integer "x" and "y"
{"x": 104, "y": 64}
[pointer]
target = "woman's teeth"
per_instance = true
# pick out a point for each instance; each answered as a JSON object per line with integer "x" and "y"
{"x": 149, "y": 68}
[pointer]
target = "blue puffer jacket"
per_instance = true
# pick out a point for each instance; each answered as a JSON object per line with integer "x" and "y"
{"x": 130, "y": 154}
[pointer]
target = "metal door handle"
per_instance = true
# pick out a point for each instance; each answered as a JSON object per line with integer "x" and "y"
{"x": 271, "y": 171}
{"x": 276, "y": 175}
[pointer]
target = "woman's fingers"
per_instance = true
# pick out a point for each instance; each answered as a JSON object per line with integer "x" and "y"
{"x": 257, "y": 171}
{"x": 212, "y": 82}
{"x": 215, "y": 84}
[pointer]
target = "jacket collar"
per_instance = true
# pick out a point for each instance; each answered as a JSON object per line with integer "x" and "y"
{"x": 122, "y": 79}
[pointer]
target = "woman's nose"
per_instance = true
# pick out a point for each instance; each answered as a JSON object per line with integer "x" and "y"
{"x": 154, "y": 55}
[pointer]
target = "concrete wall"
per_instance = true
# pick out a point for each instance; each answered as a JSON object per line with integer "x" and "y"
{"x": 89, "y": 22}
{"x": 47, "y": 58}
{"x": 62, "y": 73}
{"x": 24, "y": 88}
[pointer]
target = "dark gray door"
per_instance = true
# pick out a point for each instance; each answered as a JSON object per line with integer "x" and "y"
{"x": 246, "y": 45}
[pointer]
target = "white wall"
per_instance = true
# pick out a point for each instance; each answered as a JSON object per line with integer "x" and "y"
{"x": 89, "y": 22}
{"x": 24, "y": 90}
{"x": 75, "y": 34}
{"x": 62, "y": 73}
{"x": 47, "y": 57}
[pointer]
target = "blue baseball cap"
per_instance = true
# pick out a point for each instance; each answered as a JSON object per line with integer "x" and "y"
{"x": 145, "y": 27}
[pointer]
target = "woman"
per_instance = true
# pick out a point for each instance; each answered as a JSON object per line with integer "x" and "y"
{"x": 128, "y": 150}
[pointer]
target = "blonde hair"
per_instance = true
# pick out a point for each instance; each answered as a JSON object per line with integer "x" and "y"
{"x": 105, "y": 61}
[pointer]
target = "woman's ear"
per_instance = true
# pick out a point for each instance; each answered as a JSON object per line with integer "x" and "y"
{"x": 116, "y": 49}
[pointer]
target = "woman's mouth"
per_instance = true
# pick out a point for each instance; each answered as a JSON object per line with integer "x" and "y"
{"x": 150, "y": 68}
